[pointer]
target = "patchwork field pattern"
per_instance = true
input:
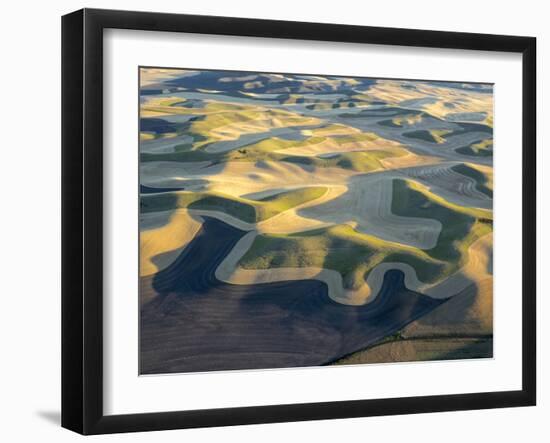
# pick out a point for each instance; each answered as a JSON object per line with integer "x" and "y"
{"x": 302, "y": 220}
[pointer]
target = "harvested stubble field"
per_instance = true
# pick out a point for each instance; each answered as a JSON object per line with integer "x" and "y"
{"x": 293, "y": 220}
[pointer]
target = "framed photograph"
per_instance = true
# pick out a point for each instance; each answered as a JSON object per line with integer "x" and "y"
{"x": 270, "y": 221}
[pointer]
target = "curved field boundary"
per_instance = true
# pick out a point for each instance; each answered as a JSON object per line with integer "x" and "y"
{"x": 478, "y": 267}
{"x": 195, "y": 322}
{"x": 334, "y": 208}
{"x": 367, "y": 206}
{"x": 230, "y": 272}
{"x": 160, "y": 246}
{"x": 450, "y": 184}
{"x": 169, "y": 232}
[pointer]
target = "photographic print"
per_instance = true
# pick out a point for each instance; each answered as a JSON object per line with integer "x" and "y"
{"x": 291, "y": 220}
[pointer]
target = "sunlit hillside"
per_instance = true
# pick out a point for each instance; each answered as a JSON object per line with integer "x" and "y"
{"x": 358, "y": 190}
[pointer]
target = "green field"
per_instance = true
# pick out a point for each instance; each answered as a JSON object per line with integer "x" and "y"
{"x": 339, "y": 248}
{"x": 355, "y": 254}
{"x": 461, "y": 226}
{"x": 247, "y": 210}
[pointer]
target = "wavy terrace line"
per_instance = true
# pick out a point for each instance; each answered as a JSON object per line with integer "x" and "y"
{"x": 194, "y": 322}
{"x": 248, "y": 210}
{"x": 354, "y": 254}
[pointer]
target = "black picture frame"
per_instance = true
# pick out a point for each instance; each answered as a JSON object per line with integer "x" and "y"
{"x": 82, "y": 216}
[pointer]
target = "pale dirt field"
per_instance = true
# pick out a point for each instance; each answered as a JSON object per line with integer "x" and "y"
{"x": 233, "y": 131}
{"x": 150, "y": 76}
{"x": 463, "y": 102}
{"x": 367, "y": 204}
{"x": 159, "y": 247}
{"x": 335, "y": 129}
{"x": 408, "y": 160}
{"x": 449, "y": 184}
{"x": 242, "y": 178}
{"x": 329, "y": 146}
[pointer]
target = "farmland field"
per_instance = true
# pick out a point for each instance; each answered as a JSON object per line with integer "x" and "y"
{"x": 303, "y": 220}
